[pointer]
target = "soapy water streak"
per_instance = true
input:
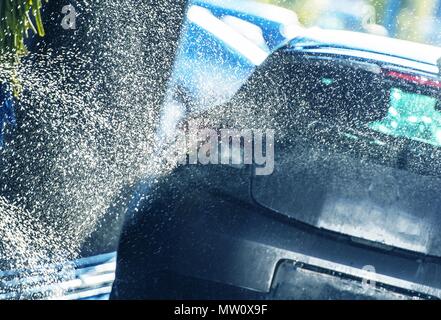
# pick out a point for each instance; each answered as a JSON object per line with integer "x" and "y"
{"x": 85, "y": 131}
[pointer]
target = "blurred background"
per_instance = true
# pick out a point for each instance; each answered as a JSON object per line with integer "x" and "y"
{"x": 415, "y": 20}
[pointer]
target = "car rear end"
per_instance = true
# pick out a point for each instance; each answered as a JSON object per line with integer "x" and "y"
{"x": 351, "y": 210}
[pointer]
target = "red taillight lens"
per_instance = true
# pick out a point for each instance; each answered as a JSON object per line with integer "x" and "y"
{"x": 423, "y": 81}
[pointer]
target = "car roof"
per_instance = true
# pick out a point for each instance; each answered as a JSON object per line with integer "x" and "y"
{"x": 263, "y": 10}
{"x": 367, "y": 43}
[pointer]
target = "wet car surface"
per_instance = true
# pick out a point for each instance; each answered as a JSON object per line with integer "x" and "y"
{"x": 352, "y": 200}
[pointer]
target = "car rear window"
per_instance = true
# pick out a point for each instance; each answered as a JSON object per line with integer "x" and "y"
{"x": 413, "y": 116}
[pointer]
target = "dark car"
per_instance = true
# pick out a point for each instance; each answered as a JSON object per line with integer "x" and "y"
{"x": 352, "y": 208}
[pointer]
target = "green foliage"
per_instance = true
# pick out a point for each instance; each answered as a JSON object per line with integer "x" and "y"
{"x": 17, "y": 18}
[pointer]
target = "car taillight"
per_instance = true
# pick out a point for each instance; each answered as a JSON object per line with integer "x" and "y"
{"x": 420, "y": 80}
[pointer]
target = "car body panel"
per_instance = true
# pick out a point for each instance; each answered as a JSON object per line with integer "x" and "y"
{"x": 215, "y": 58}
{"x": 273, "y": 20}
{"x": 366, "y": 43}
{"x": 217, "y": 238}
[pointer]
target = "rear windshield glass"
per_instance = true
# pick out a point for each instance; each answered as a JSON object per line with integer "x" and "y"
{"x": 368, "y": 101}
{"x": 413, "y": 116}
